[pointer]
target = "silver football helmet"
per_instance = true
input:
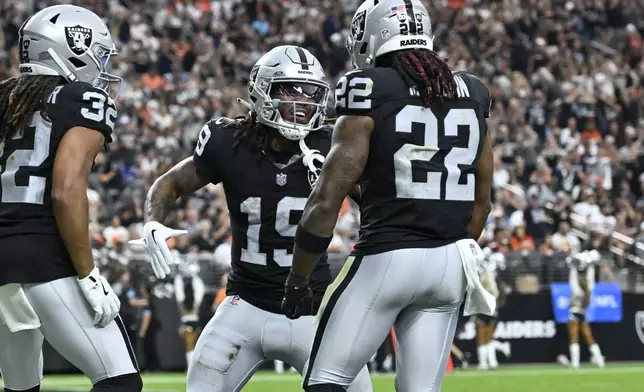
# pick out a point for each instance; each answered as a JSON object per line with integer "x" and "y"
{"x": 383, "y": 26}
{"x": 583, "y": 260}
{"x": 288, "y": 91}
{"x": 71, "y": 42}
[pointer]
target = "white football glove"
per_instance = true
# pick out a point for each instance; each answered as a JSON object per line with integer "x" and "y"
{"x": 101, "y": 298}
{"x": 154, "y": 239}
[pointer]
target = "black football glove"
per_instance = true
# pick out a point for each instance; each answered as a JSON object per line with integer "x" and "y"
{"x": 298, "y": 297}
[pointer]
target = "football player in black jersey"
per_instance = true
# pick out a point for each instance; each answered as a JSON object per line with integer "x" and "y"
{"x": 413, "y": 135}
{"x": 267, "y": 163}
{"x": 54, "y": 119}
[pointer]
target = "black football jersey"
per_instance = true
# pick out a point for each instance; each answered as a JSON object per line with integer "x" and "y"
{"x": 265, "y": 202}
{"x": 26, "y": 165}
{"x": 417, "y": 189}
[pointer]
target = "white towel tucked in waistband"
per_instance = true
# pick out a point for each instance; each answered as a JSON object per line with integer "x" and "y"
{"x": 477, "y": 300}
{"x": 15, "y": 310}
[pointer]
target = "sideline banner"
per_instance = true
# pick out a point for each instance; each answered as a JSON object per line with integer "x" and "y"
{"x": 527, "y": 332}
{"x": 605, "y": 303}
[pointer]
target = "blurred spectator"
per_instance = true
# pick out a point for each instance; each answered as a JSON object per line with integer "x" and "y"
{"x": 115, "y": 232}
{"x": 521, "y": 241}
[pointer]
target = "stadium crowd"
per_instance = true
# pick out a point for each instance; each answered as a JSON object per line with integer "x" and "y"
{"x": 567, "y": 82}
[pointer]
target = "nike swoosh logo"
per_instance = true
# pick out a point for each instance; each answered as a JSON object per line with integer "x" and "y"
{"x": 103, "y": 34}
{"x": 153, "y": 238}
{"x": 104, "y": 291}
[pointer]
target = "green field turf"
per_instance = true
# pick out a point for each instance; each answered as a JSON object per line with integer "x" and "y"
{"x": 614, "y": 378}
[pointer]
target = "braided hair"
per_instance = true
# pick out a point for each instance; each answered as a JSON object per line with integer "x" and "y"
{"x": 425, "y": 70}
{"x": 21, "y": 97}
{"x": 248, "y": 130}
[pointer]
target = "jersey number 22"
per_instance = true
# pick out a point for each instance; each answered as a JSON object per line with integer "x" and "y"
{"x": 456, "y": 158}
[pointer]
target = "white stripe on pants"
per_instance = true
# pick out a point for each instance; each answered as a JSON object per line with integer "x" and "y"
{"x": 417, "y": 291}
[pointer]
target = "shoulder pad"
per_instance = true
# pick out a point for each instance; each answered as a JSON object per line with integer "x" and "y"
{"x": 79, "y": 104}
{"x": 209, "y": 136}
{"x": 221, "y": 122}
{"x": 211, "y": 147}
{"x": 355, "y": 92}
{"x": 470, "y": 86}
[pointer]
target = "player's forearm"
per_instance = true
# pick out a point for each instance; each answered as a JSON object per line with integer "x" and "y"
{"x": 181, "y": 180}
{"x": 71, "y": 210}
{"x": 320, "y": 217}
{"x": 479, "y": 218}
{"x": 318, "y": 220}
{"x": 160, "y": 199}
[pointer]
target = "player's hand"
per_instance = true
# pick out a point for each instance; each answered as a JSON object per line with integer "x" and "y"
{"x": 154, "y": 239}
{"x": 298, "y": 297}
{"x": 101, "y": 298}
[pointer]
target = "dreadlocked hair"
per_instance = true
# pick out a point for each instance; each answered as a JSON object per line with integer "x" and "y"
{"x": 248, "y": 130}
{"x": 21, "y": 97}
{"x": 425, "y": 70}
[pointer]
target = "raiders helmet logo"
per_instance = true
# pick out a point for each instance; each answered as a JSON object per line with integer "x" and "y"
{"x": 639, "y": 324}
{"x": 79, "y": 39}
{"x": 358, "y": 26}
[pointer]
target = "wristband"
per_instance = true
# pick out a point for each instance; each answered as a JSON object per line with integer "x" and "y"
{"x": 297, "y": 280}
{"x": 310, "y": 242}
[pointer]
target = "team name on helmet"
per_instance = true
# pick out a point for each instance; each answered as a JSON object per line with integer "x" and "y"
{"x": 413, "y": 42}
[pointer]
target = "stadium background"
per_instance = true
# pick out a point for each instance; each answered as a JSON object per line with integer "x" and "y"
{"x": 567, "y": 81}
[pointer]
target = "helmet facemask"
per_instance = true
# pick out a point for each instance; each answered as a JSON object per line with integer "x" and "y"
{"x": 294, "y": 107}
{"x": 105, "y": 81}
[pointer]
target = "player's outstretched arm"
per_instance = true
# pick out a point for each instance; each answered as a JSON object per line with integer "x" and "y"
{"x": 182, "y": 179}
{"x": 343, "y": 166}
{"x": 483, "y": 191}
{"x": 72, "y": 165}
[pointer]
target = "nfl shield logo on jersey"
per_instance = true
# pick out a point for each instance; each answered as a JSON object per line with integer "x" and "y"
{"x": 280, "y": 179}
{"x": 234, "y": 300}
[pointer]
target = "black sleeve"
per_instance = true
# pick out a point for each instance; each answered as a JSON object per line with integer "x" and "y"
{"x": 477, "y": 90}
{"x": 79, "y": 104}
{"x": 357, "y": 92}
{"x": 207, "y": 151}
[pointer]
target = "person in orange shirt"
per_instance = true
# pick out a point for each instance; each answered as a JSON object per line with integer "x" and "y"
{"x": 153, "y": 81}
{"x": 521, "y": 240}
{"x": 591, "y": 133}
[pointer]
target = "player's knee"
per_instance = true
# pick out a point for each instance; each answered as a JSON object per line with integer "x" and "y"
{"x": 34, "y": 389}
{"x": 578, "y": 317}
{"x": 324, "y": 388}
{"x": 125, "y": 383}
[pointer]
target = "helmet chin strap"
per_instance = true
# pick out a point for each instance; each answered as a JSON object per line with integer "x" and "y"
{"x": 309, "y": 158}
{"x": 245, "y": 103}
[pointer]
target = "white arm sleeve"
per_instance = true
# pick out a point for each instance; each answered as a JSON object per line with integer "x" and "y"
{"x": 590, "y": 278}
{"x": 573, "y": 280}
